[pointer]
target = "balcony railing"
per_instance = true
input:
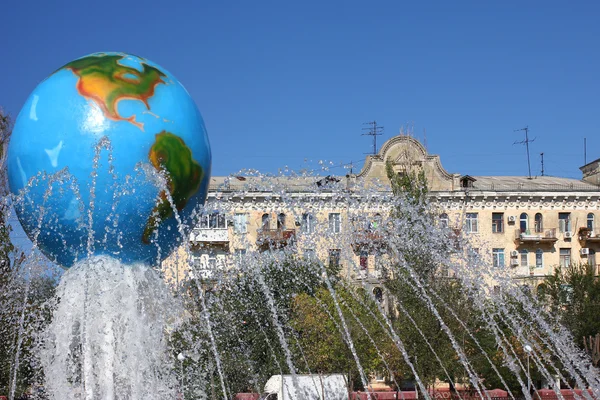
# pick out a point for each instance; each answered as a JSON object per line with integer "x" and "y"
{"x": 547, "y": 235}
{"x": 589, "y": 235}
{"x": 274, "y": 238}
{"x": 210, "y": 237}
{"x": 367, "y": 239}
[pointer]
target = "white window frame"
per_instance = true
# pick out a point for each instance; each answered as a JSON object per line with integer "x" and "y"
{"x": 444, "y": 220}
{"x": 564, "y": 224}
{"x": 498, "y": 258}
{"x": 335, "y": 222}
{"x": 214, "y": 220}
{"x": 524, "y": 258}
{"x": 591, "y": 223}
{"x": 310, "y": 254}
{"x": 239, "y": 255}
{"x": 240, "y": 223}
{"x": 539, "y": 258}
{"x": 472, "y": 223}
{"x": 524, "y": 223}
{"x": 564, "y": 259}
{"x": 309, "y": 223}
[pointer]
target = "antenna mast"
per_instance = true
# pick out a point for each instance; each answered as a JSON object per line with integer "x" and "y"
{"x": 373, "y": 130}
{"x": 542, "y": 154}
{"x": 526, "y": 143}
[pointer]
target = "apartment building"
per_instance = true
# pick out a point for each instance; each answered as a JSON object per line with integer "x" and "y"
{"x": 527, "y": 226}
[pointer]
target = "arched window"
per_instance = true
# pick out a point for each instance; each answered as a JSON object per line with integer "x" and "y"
{"x": 281, "y": 221}
{"x": 524, "y": 223}
{"x": 376, "y": 223}
{"x": 444, "y": 222}
{"x": 378, "y": 293}
{"x": 266, "y": 221}
{"x": 539, "y": 226}
{"x": 590, "y": 221}
{"x": 539, "y": 258}
{"x": 524, "y": 258}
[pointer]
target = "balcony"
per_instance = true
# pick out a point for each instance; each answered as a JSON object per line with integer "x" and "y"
{"x": 274, "y": 238}
{"x": 206, "y": 237}
{"x": 367, "y": 239}
{"x": 546, "y": 236}
{"x": 587, "y": 235}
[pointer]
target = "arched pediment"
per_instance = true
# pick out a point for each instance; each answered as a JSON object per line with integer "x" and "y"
{"x": 407, "y": 152}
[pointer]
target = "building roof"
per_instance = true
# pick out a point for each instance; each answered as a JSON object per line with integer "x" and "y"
{"x": 404, "y": 152}
{"x": 538, "y": 184}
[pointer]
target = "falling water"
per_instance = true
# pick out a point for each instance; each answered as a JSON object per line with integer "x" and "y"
{"x": 115, "y": 328}
{"x": 128, "y": 310}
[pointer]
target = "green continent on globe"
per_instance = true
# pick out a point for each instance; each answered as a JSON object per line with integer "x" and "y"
{"x": 170, "y": 154}
{"x": 103, "y": 80}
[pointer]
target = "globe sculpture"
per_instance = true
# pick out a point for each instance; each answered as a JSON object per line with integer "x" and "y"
{"x": 109, "y": 155}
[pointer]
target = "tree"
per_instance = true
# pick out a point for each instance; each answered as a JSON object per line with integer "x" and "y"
{"x": 573, "y": 294}
{"x": 21, "y": 317}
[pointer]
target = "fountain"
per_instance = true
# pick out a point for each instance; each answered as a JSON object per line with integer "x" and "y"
{"x": 111, "y": 184}
{"x": 108, "y": 162}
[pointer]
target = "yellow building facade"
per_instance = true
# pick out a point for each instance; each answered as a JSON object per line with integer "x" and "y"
{"x": 528, "y": 226}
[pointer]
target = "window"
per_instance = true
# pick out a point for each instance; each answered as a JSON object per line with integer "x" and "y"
{"x": 281, "y": 221}
{"x": 310, "y": 254}
{"x": 473, "y": 254}
{"x": 498, "y": 257}
{"x": 308, "y": 223}
{"x": 376, "y": 222}
{"x": 239, "y": 254}
{"x": 590, "y": 221}
{"x": 524, "y": 258}
{"x": 592, "y": 257}
{"x": 213, "y": 221}
{"x": 212, "y": 261}
{"x": 364, "y": 260}
{"x": 539, "y": 226}
{"x": 444, "y": 221}
{"x": 334, "y": 223}
{"x": 524, "y": 223}
{"x": 471, "y": 223}
{"x": 240, "y": 223}
{"x": 565, "y": 257}
{"x": 497, "y": 222}
{"x": 334, "y": 258}
{"x": 539, "y": 258}
{"x": 564, "y": 222}
{"x": 378, "y": 294}
{"x": 265, "y": 222}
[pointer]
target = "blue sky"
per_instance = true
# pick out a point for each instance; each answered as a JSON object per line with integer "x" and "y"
{"x": 281, "y": 82}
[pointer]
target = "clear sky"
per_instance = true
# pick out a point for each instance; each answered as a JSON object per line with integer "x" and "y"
{"x": 281, "y": 82}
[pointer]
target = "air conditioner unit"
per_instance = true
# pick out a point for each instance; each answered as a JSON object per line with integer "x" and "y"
{"x": 512, "y": 218}
{"x": 514, "y": 253}
{"x": 584, "y": 251}
{"x": 568, "y": 235}
{"x": 514, "y": 262}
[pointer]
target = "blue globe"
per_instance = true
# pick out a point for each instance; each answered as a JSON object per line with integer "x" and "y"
{"x": 109, "y": 155}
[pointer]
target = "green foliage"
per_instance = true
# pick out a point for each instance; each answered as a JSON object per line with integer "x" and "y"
{"x": 323, "y": 339}
{"x": 244, "y": 325}
{"x": 573, "y": 294}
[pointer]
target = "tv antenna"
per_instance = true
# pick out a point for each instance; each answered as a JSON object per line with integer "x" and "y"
{"x": 526, "y": 143}
{"x": 542, "y": 154}
{"x": 373, "y": 130}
